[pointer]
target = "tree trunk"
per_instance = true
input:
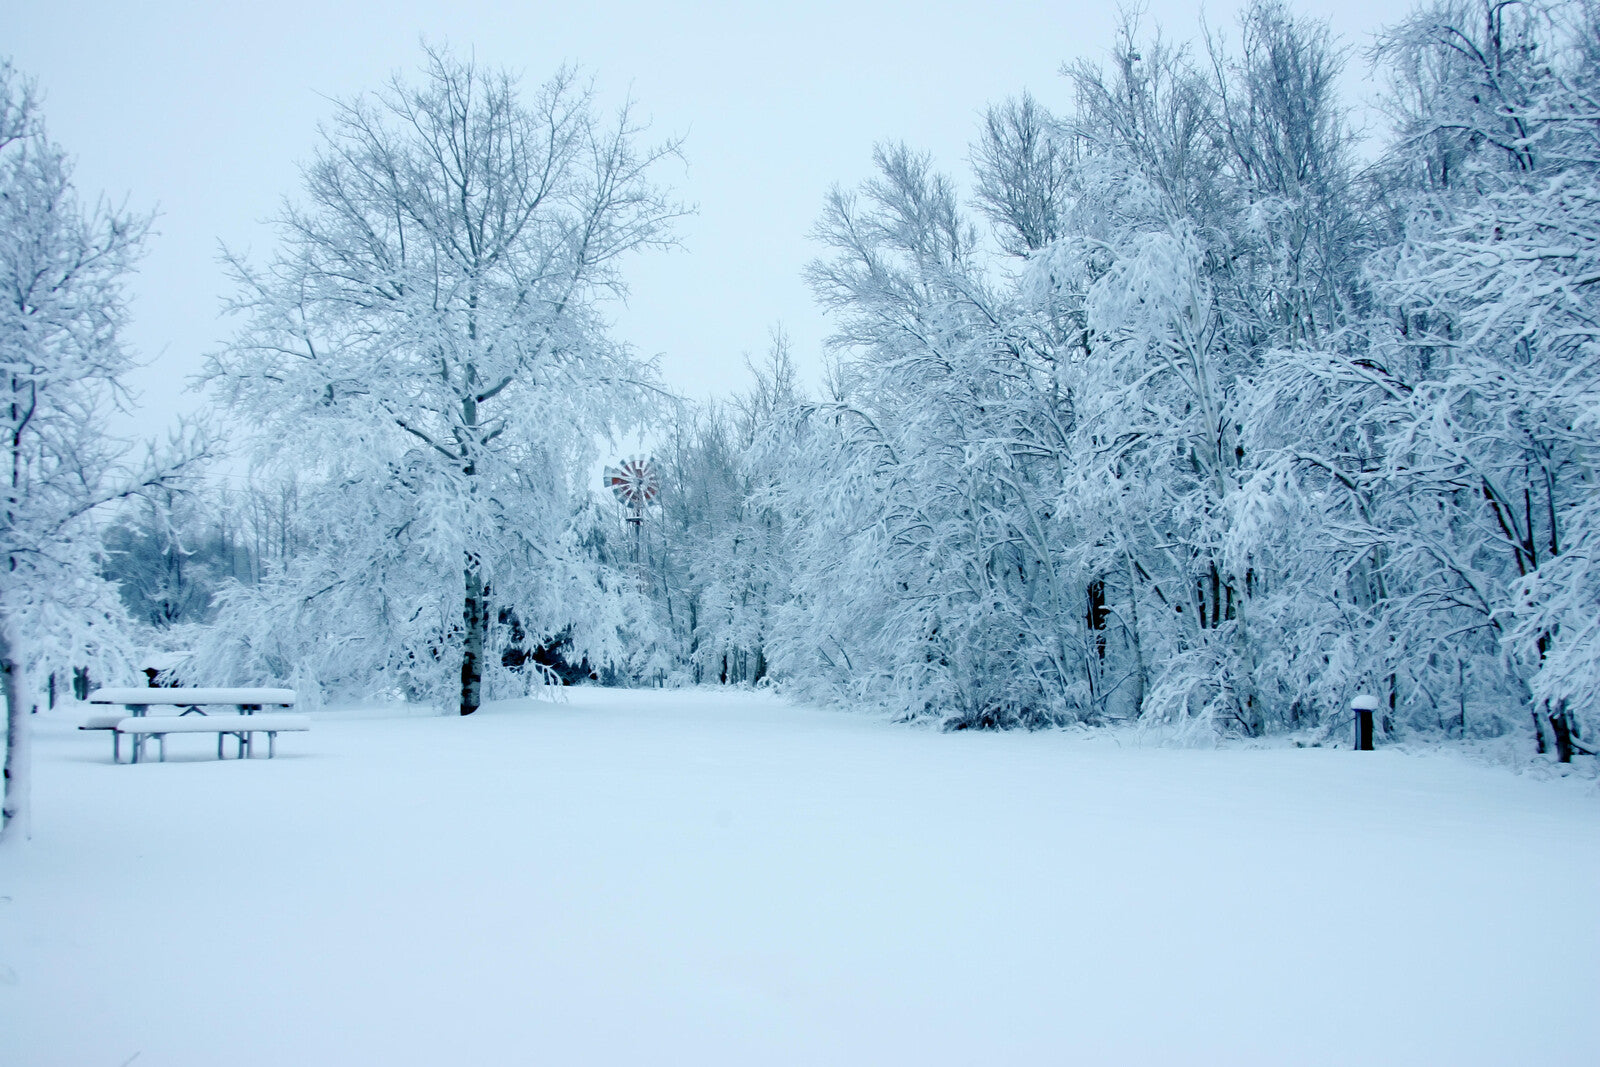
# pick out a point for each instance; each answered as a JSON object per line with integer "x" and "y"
{"x": 475, "y": 624}
{"x": 1135, "y": 639}
{"x": 14, "y": 811}
{"x": 1561, "y": 727}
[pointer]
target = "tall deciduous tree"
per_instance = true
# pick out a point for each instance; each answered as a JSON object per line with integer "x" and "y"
{"x": 61, "y": 315}
{"x": 432, "y": 321}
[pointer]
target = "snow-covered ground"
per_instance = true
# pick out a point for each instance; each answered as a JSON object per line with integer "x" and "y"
{"x": 706, "y": 878}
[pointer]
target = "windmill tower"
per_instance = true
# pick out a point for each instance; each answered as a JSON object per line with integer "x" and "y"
{"x": 636, "y": 485}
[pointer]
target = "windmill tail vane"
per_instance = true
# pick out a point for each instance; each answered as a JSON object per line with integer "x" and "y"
{"x": 635, "y": 483}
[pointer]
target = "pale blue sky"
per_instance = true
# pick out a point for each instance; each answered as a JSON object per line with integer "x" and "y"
{"x": 204, "y": 110}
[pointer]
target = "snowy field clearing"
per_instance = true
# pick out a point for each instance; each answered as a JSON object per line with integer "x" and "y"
{"x": 710, "y": 877}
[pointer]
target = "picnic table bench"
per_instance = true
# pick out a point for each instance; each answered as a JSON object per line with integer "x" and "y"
{"x": 241, "y": 725}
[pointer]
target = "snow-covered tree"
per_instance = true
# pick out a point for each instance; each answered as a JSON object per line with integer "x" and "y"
{"x": 169, "y": 552}
{"x": 730, "y": 530}
{"x": 1493, "y": 339}
{"x": 428, "y": 347}
{"x": 62, "y": 309}
{"x": 1034, "y": 471}
{"x": 938, "y": 455}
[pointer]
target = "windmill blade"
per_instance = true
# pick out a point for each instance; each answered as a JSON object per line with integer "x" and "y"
{"x": 634, "y": 482}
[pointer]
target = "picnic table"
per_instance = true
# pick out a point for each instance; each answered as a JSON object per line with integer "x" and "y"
{"x": 139, "y": 699}
{"x": 242, "y": 724}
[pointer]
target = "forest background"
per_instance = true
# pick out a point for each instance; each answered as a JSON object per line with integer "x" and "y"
{"x": 1174, "y": 410}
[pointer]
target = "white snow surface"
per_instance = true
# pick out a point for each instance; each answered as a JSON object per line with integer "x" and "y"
{"x": 700, "y": 877}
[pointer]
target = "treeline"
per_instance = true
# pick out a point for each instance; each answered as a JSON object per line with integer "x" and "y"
{"x": 172, "y": 551}
{"x": 1182, "y": 409}
{"x": 1187, "y": 414}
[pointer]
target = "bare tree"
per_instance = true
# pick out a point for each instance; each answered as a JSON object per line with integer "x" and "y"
{"x": 431, "y": 320}
{"x": 61, "y": 314}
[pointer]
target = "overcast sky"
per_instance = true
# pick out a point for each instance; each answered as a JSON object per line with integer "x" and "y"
{"x": 203, "y": 111}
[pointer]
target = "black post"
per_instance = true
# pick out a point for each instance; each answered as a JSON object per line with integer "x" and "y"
{"x": 1363, "y": 706}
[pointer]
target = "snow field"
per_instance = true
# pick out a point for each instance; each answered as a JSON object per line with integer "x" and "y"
{"x": 709, "y": 877}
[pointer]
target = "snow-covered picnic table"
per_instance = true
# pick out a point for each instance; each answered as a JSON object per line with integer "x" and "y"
{"x": 241, "y": 728}
{"x": 241, "y": 724}
{"x": 138, "y": 699}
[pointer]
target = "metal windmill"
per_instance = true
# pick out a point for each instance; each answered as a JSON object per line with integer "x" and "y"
{"x": 637, "y": 485}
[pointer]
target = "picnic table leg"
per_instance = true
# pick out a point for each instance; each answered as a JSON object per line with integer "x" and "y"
{"x": 272, "y": 744}
{"x": 136, "y": 742}
{"x": 116, "y": 745}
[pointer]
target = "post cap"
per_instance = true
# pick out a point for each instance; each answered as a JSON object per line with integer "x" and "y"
{"x": 1365, "y": 702}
